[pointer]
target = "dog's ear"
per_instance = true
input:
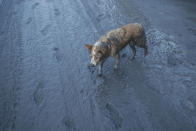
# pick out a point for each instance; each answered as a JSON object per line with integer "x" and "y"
{"x": 89, "y": 47}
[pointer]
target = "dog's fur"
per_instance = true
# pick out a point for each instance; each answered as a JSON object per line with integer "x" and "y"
{"x": 115, "y": 40}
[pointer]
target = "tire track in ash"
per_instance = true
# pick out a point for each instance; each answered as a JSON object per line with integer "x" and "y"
{"x": 10, "y": 63}
{"x": 69, "y": 36}
{"x": 4, "y": 21}
{"x": 41, "y": 78}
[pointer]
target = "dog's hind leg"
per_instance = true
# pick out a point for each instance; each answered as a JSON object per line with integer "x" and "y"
{"x": 142, "y": 43}
{"x": 133, "y": 49}
{"x": 145, "y": 50}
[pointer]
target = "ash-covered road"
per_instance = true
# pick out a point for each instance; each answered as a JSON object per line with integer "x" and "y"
{"x": 45, "y": 84}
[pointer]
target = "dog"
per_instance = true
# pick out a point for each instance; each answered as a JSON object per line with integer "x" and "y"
{"x": 114, "y": 41}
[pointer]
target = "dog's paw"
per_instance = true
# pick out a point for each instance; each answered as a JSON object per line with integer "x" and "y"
{"x": 90, "y": 69}
{"x": 115, "y": 67}
{"x": 132, "y": 58}
{"x": 99, "y": 74}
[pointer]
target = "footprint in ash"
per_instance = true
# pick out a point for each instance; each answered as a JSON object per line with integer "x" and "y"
{"x": 57, "y": 12}
{"x": 69, "y": 123}
{"x": 35, "y": 5}
{"x": 57, "y": 54}
{"x": 29, "y": 20}
{"x": 38, "y": 94}
{"x": 45, "y": 30}
{"x": 114, "y": 115}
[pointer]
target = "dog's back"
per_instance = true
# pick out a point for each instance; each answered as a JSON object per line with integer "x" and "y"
{"x": 120, "y": 37}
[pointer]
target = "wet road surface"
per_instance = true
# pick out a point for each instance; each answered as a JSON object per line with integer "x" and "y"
{"x": 46, "y": 85}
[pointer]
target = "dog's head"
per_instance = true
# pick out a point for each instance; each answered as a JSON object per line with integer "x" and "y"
{"x": 97, "y": 53}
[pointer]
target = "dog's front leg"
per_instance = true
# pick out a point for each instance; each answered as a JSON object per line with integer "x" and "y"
{"x": 100, "y": 68}
{"x": 116, "y": 61}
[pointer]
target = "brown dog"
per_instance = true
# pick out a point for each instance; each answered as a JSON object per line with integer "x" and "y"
{"x": 111, "y": 43}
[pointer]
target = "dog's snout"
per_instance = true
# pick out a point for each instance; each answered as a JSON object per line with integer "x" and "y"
{"x": 93, "y": 63}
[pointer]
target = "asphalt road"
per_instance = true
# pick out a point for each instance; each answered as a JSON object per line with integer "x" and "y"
{"x": 46, "y": 85}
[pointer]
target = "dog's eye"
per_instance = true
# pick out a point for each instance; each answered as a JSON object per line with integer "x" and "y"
{"x": 96, "y": 58}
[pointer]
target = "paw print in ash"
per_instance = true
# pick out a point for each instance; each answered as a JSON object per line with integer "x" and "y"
{"x": 38, "y": 95}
